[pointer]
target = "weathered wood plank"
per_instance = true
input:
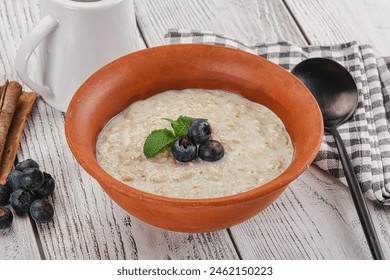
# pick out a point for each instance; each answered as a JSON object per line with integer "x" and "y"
{"x": 337, "y": 21}
{"x": 247, "y": 20}
{"x": 18, "y": 242}
{"x": 87, "y": 224}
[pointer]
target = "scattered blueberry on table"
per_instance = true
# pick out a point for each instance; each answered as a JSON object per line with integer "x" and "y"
{"x": 31, "y": 179}
{"x": 28, "y": 163}
{"x": 26, "y": 190}
{"x": 47, "y": 187}
{"x": 21, "y": 200}
{"x": 6, "y": 217}
{"x": 5, "y": 193}
{"x": 41, "y": 211}
{"x": 13, "y": 179}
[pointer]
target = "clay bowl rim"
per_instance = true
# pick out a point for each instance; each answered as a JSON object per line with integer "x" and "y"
{"x": 105, "y": 180}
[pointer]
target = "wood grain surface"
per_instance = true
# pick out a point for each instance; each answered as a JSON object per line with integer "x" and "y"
{"x": 313, "y": 219}
{"x": 337, "y": 21}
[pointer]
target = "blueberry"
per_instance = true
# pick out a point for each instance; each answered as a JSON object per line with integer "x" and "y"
{"x": 41, "y": 211}
{"x": 211, "y": 150}
{"x": 6, "y": 217}
{"x": 199, "y": 131}
{"x": 28, "y": 163}
{"x": 47, "y": 187}
{"x": 21, "y": 200}
{"x": 5, "y": 192}
{"x": 13, "y": 179}
{"x": 184, "y": 149}
{"x": 31, "y": 179}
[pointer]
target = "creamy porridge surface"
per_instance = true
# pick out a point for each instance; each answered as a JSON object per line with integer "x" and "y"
{"x": 257, "y": 146}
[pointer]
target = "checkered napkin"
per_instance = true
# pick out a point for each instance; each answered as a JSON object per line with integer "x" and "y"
{"x": 366, "y": 135}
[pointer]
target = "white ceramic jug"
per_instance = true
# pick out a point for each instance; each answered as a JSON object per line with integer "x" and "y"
{"x": 75, "y": 38}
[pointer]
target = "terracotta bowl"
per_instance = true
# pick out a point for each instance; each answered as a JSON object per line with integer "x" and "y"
{"x": 144, "y": 73}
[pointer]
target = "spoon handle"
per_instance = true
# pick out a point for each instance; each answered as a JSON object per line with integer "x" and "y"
{"x": 357, "y": 196}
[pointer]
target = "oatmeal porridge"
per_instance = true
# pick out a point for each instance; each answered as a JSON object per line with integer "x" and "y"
{"x": 257, "y": 146}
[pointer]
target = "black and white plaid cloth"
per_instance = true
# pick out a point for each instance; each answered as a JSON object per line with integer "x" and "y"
{"x": 366, "y": 135}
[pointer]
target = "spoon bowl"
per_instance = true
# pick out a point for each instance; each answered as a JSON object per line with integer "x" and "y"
{"x": 336, "y": 93}
{"x": 332, "y": 86}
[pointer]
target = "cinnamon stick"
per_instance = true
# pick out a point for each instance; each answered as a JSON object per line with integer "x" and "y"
{"x": 9, "y": 98}
{"x": 2, "y": 93}
{"x": 24, "y": 106}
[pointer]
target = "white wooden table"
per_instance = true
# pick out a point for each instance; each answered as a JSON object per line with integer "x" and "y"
{"x": 313, "y": 219}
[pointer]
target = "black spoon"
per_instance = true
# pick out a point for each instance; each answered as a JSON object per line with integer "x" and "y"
{"x": 335, "y": 91}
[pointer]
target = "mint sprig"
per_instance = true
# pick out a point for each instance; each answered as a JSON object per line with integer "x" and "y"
{"x": 160, "y": 138}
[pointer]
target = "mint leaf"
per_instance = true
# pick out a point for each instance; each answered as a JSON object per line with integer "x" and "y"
{"x": 158, "y": 140}
{"x": 180, "y": 126}
{"x": 185, "y": 120}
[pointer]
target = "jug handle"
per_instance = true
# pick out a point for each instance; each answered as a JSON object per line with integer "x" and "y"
{"x": 39, "y": 32}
